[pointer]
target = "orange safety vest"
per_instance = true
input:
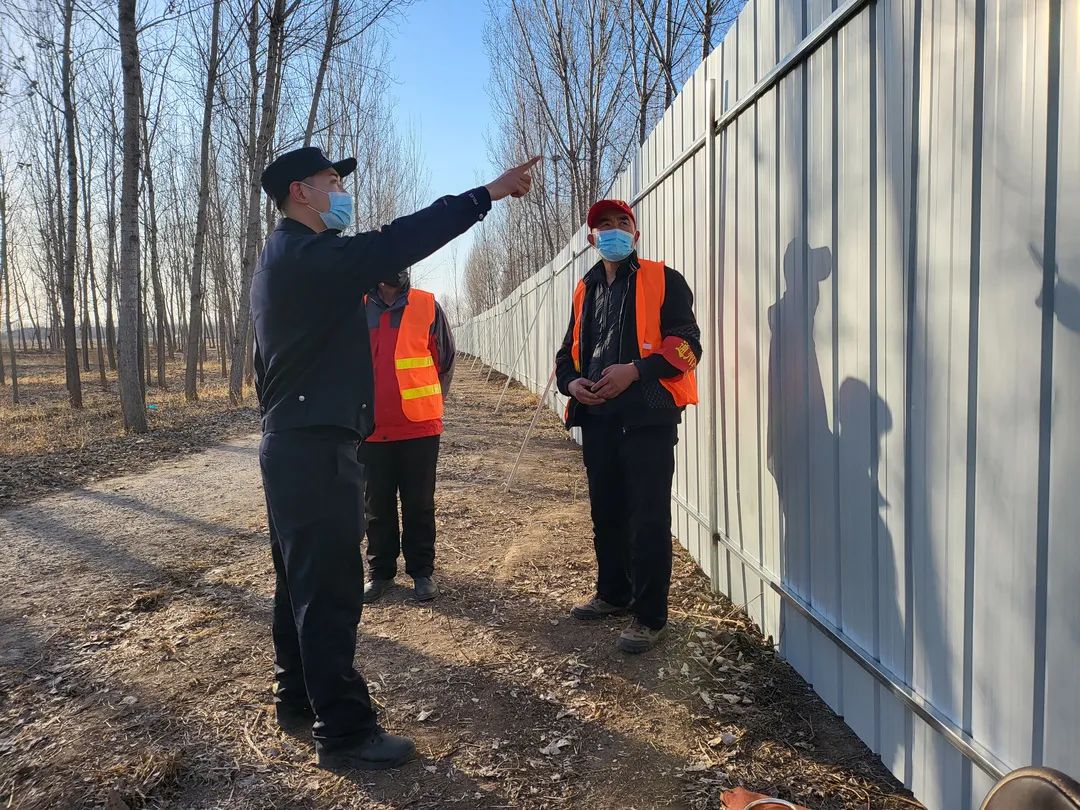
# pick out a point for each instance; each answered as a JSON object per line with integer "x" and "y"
{"x": 417, "y": 376}
{"x": 649, "y": 298}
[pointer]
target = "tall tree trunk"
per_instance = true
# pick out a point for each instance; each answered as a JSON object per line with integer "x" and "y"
{"x": 19, "y": 317}
{"x": 275, "y": 41}
{"x": 324, "y": 62}
{"x": 707, "y": 28}
{"x": 34, "y": 323}
{"x": 97, "y": 330}
{"x": 195, "y": 316}
{"x": 132, "y": 398}
{"x": 67, "y": 282}
{"x": 5, "y": 289}
{"x": 88, "y": 253}
{"x": 160, "y": 320}
{"x": 110, "y": 256}
{"x": 5, "y": 277}
{"x": 84, "y": 325}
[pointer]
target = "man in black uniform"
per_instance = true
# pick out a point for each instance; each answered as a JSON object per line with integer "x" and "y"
{"x": 315, "y": 386}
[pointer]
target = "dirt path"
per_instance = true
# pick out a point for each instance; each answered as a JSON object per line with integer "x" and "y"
{"x": 135, "y": 655}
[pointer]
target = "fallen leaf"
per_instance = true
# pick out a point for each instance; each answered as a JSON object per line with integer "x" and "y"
{"x": 727, "y": 738}
{"x": 553, "y": 748}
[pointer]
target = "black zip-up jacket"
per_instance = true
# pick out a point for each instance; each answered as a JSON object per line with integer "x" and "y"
{"x": 645, "y": 402}
{"x": 312, "y": 353}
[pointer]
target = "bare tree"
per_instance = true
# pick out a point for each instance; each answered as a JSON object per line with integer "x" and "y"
{"x": 324, "y": 63}
{"x": 5, "y": 277}
{"x": 132, "y": 398}
{"x": 259, "y": 151}
{"x": 482, "y": 267}
{"x": 591, "y": 80}
{"x": 67, "y": 280}
{"x": 89, "y": 279}
{"x": 195, "y": 317}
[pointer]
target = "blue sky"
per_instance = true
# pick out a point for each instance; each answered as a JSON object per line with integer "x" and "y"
{"x": 441, "y": 68}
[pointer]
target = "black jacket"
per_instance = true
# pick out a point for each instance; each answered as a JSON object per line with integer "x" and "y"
{"x": 312, "y": 355}
{"x": 645, "y": 402}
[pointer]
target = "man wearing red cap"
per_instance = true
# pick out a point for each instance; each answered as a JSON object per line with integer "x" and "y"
{"x": 627, "y": 363}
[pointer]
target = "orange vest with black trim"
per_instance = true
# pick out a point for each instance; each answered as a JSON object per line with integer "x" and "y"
{"x": 417, "y": 376}
{"x": 649, "y": 288}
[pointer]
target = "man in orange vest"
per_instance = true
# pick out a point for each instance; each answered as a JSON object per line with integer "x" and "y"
{"x": 412, "y": 350}
{"x": 627, "y": 363}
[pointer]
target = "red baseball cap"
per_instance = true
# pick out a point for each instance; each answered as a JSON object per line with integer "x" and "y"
{"x": 605, "y": 206}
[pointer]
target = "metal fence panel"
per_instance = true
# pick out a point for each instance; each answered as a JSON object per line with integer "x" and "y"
{"x": 880, "y": 232}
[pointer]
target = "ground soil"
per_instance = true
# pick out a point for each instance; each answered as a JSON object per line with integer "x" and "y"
{"x": 135, "y": 654}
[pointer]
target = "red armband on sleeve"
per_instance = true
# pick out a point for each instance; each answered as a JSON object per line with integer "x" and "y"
{"x": 678, "y": 352}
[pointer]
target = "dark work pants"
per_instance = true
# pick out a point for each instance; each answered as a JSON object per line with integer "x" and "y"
{"x": 630, "y": 471}
{"x": 406, "y": 467}
{"x": 314, "y": 494}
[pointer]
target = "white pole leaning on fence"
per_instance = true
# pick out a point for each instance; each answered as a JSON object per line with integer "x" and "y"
{"x": 528, "y": 433}
{"x": 506, "y": 334}
{"x": 524, "y": 343}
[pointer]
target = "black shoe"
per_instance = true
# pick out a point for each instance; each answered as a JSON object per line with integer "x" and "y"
{"x": 425, "y": 589}
{"x": 375, "y": 588}
{"x": 294, "y": 718}
{"x": 378, "y": 752}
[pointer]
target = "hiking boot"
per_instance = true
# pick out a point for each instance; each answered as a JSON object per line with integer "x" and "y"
{"x": 596, "y": 608}
{"x": 294, "y": 718}
{"x": 638, "y": 638}
{"x": 375, "y": 588}
{"x": 425, "y": 589}
{"x": 377, "y": 752}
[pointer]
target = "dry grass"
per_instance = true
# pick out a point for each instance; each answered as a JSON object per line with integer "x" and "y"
{"x": 46, "y": 445}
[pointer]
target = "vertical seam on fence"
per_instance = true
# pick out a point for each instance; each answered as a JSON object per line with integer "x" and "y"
{"x": 912, "y": 273}
{"x": 875, "y": 445}
{"x": 1046, "y": 378}
{"x": 973, "y": 379}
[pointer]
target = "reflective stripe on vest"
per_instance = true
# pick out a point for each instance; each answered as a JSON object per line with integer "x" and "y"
{"x": 649, "y": 289}
{"x": 417, "y": 376}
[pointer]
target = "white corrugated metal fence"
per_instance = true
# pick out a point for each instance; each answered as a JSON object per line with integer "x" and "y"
{"x": 877, "y": 205}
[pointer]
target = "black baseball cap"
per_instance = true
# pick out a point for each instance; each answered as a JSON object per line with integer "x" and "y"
{"x": 297, "y": 165}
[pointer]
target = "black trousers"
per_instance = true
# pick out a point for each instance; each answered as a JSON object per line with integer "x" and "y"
{"x": 314, "y": 493}
{"x": 630, "y": 471}
{"x": 406, "y": 467}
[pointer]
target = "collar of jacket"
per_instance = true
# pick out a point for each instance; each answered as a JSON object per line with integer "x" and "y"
{"x": 597, "y": 271}
{"x": 399, "y": 302}
{"x": 296, "y": 226}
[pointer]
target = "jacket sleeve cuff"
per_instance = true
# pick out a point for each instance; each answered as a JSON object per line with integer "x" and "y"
{"x": 481, "y": 200}
{"x": 563, "y": 382}
{"x": 654, "y": 367}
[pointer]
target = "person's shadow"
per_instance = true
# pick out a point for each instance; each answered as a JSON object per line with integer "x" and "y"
{"x": 836, "y": 551}
{"x": 1066, "y": 294}
{"x": 798, "y": 424}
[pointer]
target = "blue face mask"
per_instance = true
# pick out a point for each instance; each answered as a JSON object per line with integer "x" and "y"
{"x": 340, "y": 214}
{"x": 614, "y": 245}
